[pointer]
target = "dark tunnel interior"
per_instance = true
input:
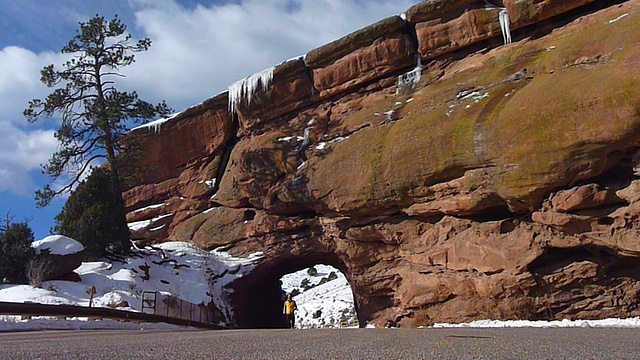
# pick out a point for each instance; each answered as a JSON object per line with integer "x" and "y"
{"x": 258, "y": 296}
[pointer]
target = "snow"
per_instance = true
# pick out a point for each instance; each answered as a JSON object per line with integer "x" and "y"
{"x": 321, "y": 146}
{"x": 57, "y": 245}
{"x": 150, "y": 207}
{"x": 338, "y": 139}
{"x": 157, "y": 228}
{"x": 618, "y": 18}
{"x": 333, "y": 299}
{"x": 476, "y": 96}
{"x": 138, "y": 225}
{"x": 211, "y": 183}
{"x": 248, "y": 86}
{"x": 604, "y": 323}
{"x": 179, "y": 269}
{"x": 156, "y": 125}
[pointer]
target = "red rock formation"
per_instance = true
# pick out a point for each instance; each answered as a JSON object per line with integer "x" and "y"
{"x": 501, "y": 185}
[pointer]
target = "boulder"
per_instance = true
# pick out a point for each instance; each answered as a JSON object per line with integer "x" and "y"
{"x": 60, "y": 255}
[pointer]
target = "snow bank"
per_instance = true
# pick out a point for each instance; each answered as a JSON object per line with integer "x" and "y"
{"x": 604, "y": 323}
{"x": 57, "y": 245}
{"x": 178, "y": 269}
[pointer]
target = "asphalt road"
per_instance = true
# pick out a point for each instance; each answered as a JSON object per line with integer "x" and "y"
{"x": 580, "y": 344}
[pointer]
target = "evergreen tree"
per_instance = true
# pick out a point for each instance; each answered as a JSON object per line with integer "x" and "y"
{"x": 95, "y": 114}
{"x": 15, "y": 249}
{"x": 91, "y": 216}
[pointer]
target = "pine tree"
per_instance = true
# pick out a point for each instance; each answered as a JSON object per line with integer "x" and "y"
{"x": 95, "y": 114}
{"x": 91, "y": 216}
{"x": 15, "y": 249}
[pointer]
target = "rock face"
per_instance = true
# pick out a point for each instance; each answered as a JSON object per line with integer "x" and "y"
{"x": 493, "y": 182}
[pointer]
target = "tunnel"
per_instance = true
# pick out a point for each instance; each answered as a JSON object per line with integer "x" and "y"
{"x": 258, "y": 296}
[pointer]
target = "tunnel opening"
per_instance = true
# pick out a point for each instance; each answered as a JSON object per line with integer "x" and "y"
{"x": 258, "y": 297}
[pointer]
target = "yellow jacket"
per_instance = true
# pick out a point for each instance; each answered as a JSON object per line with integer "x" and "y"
{"x": 289, "y": 307}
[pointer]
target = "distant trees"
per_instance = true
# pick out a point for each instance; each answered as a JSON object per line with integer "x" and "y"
{"x": 15, "y": 249}
{"x": 95, "y": 116}
{"x": 92, "y": 216}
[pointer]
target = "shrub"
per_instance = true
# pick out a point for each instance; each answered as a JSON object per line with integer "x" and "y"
{"x": 95, "y": 216}
{"x": 312, "y": 271}
{"x": 37, "y": 270}
{"x": 15, "y": 250}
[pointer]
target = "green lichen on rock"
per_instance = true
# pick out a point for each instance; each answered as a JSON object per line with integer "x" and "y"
{"x": 546, "y": 116}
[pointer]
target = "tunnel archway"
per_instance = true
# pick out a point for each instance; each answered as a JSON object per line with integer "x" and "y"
{"x": 258, "y": 296}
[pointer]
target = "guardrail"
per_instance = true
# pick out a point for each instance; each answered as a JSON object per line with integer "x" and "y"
{"x": 157, "y": 303}
{"x": 26, "y": 309}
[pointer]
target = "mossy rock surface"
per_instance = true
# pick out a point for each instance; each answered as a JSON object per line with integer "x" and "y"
{"x": 546, "y": 113}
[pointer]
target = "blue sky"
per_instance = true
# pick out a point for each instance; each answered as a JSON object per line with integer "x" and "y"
{"x": 199, "y": 48}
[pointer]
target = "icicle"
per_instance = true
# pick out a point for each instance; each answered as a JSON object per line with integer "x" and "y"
{"x": 504, "y": 21}
{"x": 248, "y": 86}
{"x": 504, "y": 25}
{"x": 411, "y": 78}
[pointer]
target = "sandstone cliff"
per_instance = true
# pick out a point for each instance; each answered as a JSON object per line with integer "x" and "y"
{"x": 451, "y": 177}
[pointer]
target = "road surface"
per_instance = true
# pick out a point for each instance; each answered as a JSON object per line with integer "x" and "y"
{"x": 580, "y": 344}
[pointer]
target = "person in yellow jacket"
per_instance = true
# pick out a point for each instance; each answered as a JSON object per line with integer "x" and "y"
{"x": 289, "y": 310}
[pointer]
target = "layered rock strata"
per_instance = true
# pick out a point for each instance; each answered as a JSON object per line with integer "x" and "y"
{"x": 497, "y": 182}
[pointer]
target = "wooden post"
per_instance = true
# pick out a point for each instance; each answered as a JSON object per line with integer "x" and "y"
{"x": 91, "y": 291}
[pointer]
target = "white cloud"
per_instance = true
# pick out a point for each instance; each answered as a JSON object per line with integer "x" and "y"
{"x": 23, "y": 148}
{"x": 20, "y": 153}
{"x": 196, "y": 53}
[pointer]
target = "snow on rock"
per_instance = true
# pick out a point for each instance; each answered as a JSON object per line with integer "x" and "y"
{"x": 155, "y": 206}
{"x": 137, "y": 225}
{"x": 325, "y": 300}
{"x": 604, "y": 323}
{"x": 618, "y": 18}
{"x": 155, "y": 125}
{"x": 248, "y": 86}
{"x": 57, "y": 245}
